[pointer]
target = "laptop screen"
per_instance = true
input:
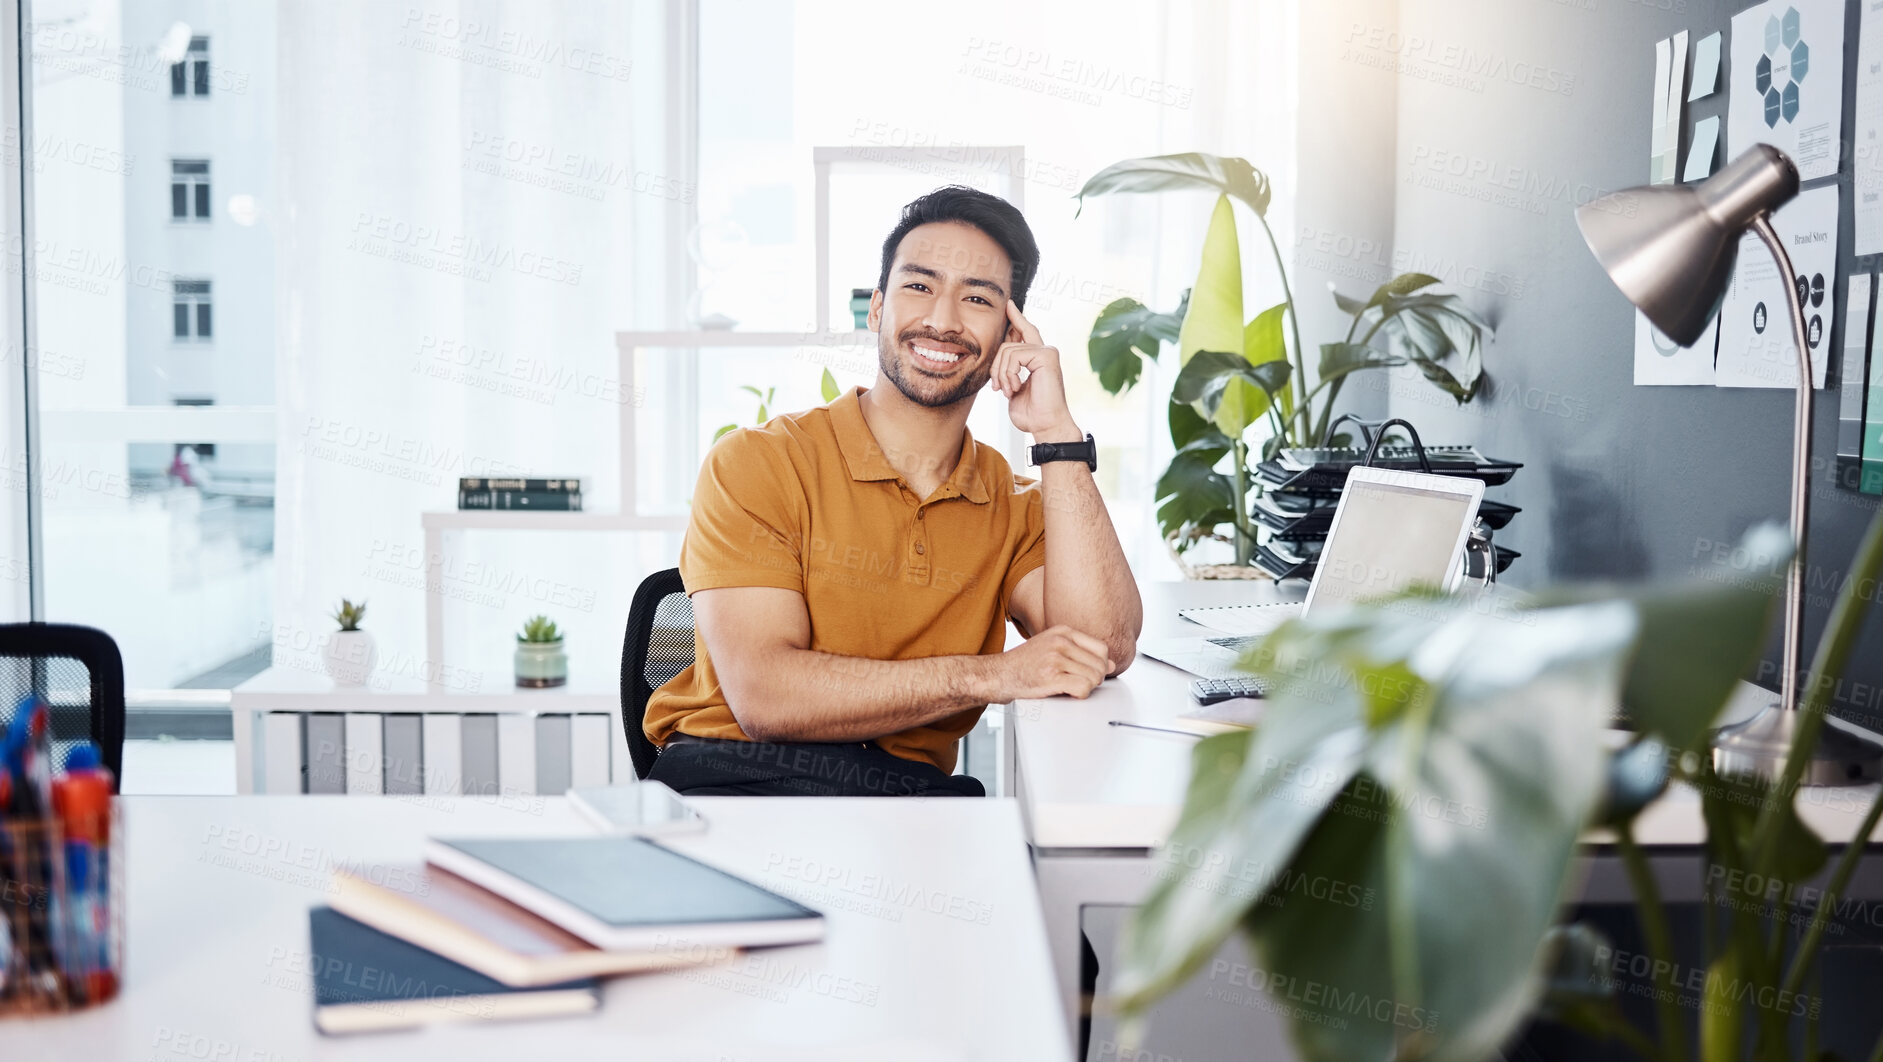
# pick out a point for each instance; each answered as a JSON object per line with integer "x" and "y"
{"x": 1386, "y": 539}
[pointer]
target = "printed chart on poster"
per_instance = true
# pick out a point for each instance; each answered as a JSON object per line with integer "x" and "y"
{"x": 1661, "y": 362}
{"x": 1756, "y": 348}
{"x": 1787, "y": 78}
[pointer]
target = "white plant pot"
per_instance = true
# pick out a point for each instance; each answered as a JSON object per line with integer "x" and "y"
{"x": 350, "y": 656}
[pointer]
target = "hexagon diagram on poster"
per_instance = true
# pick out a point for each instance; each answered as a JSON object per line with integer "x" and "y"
{"x": 1787, "y": 76}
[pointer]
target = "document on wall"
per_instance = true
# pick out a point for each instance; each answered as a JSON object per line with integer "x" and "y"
{"x": 1852, "y": 369}
{"x": 1787, "y": 82}
{"x": 1700, "y": 153}
{"x": 1867, "y": 154}
{"x": 1661, "y": 362}
{"x": 1756, "y": 348}
{"x": 1658, "y": 131}
{"x": 1706, "y": 68}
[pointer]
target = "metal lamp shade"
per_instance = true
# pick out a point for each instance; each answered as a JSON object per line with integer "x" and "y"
{"x": 1670, "y": 249}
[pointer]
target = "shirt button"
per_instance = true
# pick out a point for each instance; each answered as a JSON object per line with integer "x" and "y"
{"x": 920, "y": 548}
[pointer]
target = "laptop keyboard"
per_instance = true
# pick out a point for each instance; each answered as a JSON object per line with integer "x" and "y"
{"x": 1238, "y": 643}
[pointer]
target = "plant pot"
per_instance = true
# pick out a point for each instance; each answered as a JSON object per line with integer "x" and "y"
{"x": 541, "y": 664}
{"x": 349, "y": 657}
{"x": 1195, "y": 564}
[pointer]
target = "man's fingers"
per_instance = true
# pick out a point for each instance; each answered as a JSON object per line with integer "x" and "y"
{"x": 1096, "y": 647}
{"x": 1086, "y": 662}
{"x": 1027, "y": 331}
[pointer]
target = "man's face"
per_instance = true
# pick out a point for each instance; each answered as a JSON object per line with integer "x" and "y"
{"x": 944, "y": 313}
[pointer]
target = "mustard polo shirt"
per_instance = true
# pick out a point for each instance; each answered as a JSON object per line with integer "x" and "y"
{"x": 808, "y": 502}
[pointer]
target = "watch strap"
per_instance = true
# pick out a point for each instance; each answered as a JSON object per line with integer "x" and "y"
{"x": 1085, "y": 452}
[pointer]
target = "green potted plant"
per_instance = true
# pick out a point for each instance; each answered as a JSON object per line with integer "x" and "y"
{"x": 349, "y": 654}
{"x": 1243, "y": 390}
{"x": 827, "y": 385}
{"x": 540, "y": 661}
{"x": 1444, "y": 757}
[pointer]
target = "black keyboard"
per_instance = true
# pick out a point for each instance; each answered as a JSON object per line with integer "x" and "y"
{"x": 1209, "y": 691}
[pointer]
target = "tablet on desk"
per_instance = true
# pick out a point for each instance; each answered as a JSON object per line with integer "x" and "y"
{"x": 642, "y": 809}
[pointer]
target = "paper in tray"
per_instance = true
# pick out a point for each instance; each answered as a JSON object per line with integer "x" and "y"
{"x": 1323, "y": 470}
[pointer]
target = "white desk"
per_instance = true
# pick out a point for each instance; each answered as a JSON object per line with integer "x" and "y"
{"x": 217, "y": 938}
{"x": 1098, "y": 798}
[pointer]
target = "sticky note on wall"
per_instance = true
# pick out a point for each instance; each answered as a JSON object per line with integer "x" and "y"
{"x": 1872, "y": 478}
{"x": 1853, "y": 369}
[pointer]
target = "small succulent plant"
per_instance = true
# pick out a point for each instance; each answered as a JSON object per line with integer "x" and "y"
{"x": 348, "y": 614}
{"x": 539, "y": 629}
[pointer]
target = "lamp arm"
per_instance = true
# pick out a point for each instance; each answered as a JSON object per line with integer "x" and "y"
{"x": 1800, "y": 465}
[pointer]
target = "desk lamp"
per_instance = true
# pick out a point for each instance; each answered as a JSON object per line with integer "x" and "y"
{"x": 1670, "y": 249}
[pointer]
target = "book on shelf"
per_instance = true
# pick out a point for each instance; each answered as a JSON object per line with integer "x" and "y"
{"x": 581, "y": 884}
{"x": 470, "y": 925}
{"x": 544, "y": 500}
{"x": 568, "y": 484}
{"x": 365, "y": 980}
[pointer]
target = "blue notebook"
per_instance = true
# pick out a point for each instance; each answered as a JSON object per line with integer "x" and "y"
{"x": 627, "y": 893}
{"x": 365, "y": 981}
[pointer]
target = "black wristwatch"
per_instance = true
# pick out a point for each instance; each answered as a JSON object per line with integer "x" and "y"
{"x": 1087, "y": 451}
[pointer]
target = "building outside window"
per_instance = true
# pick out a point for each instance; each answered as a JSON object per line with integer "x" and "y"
{"x": 189, "y": 189}
{"x": 190, "y": 310}
{"x": 191, "y": 76}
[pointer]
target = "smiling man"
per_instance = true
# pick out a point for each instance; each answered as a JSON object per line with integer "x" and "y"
{"x": 853, "y": 567}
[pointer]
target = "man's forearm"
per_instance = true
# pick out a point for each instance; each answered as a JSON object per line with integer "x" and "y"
{"x": 802, "y": 695}
{"x": 1088, "y": 584}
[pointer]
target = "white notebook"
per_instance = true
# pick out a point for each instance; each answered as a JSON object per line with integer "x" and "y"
{"x": 1243, "y": 619}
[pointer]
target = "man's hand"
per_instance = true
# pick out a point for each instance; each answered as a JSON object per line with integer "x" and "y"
{"x": 1055, "y": 661}
{"x": 1038, "y": 403}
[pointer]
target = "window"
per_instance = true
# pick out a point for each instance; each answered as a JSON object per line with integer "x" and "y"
{"x": 189, "y": 189}
{"x": 191, "y": 76}
{"x": 190, "y": 310}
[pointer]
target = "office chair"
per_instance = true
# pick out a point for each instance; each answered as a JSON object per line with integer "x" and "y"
{"x": 658, "y": 646}
{"x": 80, "y": 675}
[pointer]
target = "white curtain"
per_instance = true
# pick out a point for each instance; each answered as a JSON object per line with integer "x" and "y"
{"x": 460, "y": 191}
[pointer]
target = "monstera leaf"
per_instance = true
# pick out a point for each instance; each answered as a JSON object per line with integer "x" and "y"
{"x": 1228, "y": 390}
{"x": 1191, "y": 495}
{"x": 1440, "y": 335}
{"x": 1194, "y": 169}
{"x": 1396, "y": 838}
{"x": 1125, "y": 336}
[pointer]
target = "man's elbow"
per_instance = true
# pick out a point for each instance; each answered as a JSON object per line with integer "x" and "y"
{"x": 753, "y": 707}
{"x": 1123, "y": 651}
{"x": 755, "y": 724}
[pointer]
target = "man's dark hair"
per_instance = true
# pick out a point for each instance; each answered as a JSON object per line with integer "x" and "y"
{"x": 999, "y": 219}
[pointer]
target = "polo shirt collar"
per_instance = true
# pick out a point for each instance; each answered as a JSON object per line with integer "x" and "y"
{"x": 867, "y": 463}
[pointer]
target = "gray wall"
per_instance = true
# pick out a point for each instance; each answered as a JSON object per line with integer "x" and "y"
{"x": 1619, "y": 481}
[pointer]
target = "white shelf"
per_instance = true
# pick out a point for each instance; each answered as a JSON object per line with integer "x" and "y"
{"x": 630, "y": 340}
{"x": 526, "y": 520}
{"x": 289, "y": 689}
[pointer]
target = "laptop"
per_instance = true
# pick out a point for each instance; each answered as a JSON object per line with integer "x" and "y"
{"x": 1392, "y": 529}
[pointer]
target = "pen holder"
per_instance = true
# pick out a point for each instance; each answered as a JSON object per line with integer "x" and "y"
{"x": 61, "y": 918}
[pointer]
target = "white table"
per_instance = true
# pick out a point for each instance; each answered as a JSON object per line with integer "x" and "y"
{"x": 933, "y": 951}
{"x": 1097, "y": 798}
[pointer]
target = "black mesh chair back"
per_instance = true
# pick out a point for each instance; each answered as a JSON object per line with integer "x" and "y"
{"x": 658, "y": 646}
{"x": 78, "y": 673}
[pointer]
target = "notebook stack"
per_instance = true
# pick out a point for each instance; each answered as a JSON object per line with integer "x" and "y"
{"x": 525, "y": 928}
